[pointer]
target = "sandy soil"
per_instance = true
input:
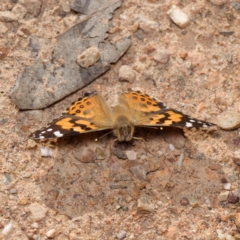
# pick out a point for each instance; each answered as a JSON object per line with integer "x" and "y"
{"x": 81, "y": 191}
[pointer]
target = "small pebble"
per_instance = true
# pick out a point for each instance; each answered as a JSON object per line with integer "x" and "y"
{"x": 175, "y": 136}
{"x": 223, "y": 196}
{"x": 229, "y": 120}
{"x": 122, "y": 234}
{"x": 236, "y": 161}
{"x": 31, "y": 143}
{"x": 7, "y": 16}
{"x": 178, "y": 17}
{"x": 224, "y": 218}
{"x": 235, "y": 5}
{"x": 139, "y": 171}
{"x": 145, "y": 205}
{"x": 66, "y": 6}
{"x": 119, "y": 154}
{"x": 51, "y": 233}
{"x": 200, "y": 156}
{"x": 38, "y": 211}
{"x": 171, "y": 147}
{"x": 220, "y": 235}
{"x": 184, "y": 201}
{"x": 227, "y": 186}
{"x": 89, "y": 57}
{"x": 131, "y": 155}
{"x": 7, "y": 179}
{"x": 100, "y": 153}
{"x": 218, "y": 2}
{"x": 126, "y": 73}
{"x": 13, "y": 191}
{"x": 224, "y": 180}
{"x": 193, "y": 202}
{"x": 232, "y": 198}
{"x": 162, "y": 56}
{"x": 46, "y": 152}
{"x": 7, "y": 229}
{"x": 19, "y": 11}
{"x": 147, "y": 25}
{"x": 3, "y": 53}
{"x": 183, "y": 55}
{"x": 214, "y": 166}
{"x": 180, "y": 160}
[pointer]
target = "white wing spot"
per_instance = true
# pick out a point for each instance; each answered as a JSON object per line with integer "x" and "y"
{"x": 41, "y": 137}
{"x": 43, "y": 132}
{"x": 205, "y": 125}
{"x": 49, "y": 130}
{"x": 188, "y": 124}
{"x": 58, "y": 134}
{"x": 192, "y": 120}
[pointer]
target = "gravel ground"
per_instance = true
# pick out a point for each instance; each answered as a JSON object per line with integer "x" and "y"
{"x": 179, "y": 184}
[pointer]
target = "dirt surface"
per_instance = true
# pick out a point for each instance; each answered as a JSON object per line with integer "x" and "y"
{"x": 185, "y": 185}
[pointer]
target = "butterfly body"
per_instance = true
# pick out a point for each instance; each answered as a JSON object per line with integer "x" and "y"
{"x": 91, "y": 113}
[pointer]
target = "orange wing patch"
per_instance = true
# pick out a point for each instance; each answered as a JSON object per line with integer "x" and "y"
{"x": 141, "y": 101}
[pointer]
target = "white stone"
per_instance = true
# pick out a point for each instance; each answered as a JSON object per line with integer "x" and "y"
{"x": 180, "y": 160}
{"x": 131, "y": 155}
{"x": 229, "y": 120}
{"x": 51, "y": 233}
{"x": 227, "y": 186}
{"x": 6, "y": 230}
{"x": 171, "y": 147}
{"x": 122, "y": 234}
{"x": 66, "y": 6}
{"x": 220, "y": 235}
{"x": 178, "y": 16}
{"x": 38, "y": 211}
{"x": 147, "y": 25}
{"x": 89, "y": 57}
{"x": 126, "y": 73}
{"x": 162, "y": 56}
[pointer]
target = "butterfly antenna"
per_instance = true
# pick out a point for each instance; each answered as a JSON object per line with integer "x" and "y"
{"x": 97, "y": 139}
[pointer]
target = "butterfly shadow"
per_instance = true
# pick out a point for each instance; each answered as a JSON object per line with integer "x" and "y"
{"x": 77, "y": 183}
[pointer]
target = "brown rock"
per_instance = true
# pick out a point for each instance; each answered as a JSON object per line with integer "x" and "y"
{"x": 174, "y": 136}
{"x": 236, "y": 161}
{"x": 139, "y": 171}
{"x": 214, "y": 166}
{"x": 145, "y": 204}
{"x": 232, "y": 198}
{"x": 84, "y": 155}
{"x": 184, "y": 201}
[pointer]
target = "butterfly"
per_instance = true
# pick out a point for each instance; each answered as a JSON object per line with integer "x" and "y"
{"x": 135, "y": 109}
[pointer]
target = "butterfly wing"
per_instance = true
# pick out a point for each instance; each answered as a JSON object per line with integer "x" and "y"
{"x": 147, "y": 111}
{"x": 172, "y": 117}
{"x": 87, "y": 114}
